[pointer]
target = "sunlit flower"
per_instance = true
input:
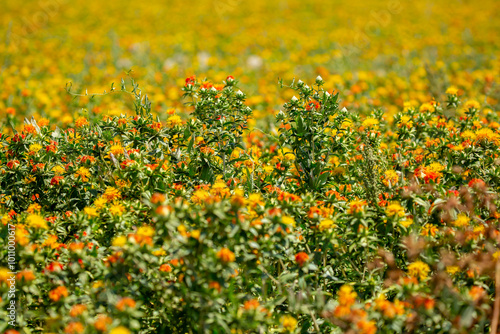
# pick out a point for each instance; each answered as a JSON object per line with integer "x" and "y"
{"x": 200, "y": 196}
{"x": 487, "y": 135}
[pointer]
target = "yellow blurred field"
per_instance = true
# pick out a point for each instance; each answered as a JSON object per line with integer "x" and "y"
{"x": 377, "y": 53}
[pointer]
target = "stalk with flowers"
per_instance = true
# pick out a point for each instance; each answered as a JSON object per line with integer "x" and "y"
{"x": 311, "y": 126}
{"x": 220, "y": 117}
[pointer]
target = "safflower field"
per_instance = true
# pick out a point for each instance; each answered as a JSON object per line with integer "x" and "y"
{"x": 249, "y": 167}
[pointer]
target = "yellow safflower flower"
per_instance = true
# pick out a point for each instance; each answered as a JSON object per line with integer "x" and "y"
{"x": 37, "y": 221}
{"x": 145, "y": 231}
{"x": 370, "y": 122}
{"x": 419, "y": 270}
{"x": 287, "y": 220}
{"x": 326, "y": 224}
{"x": 461, "y": 221}
{"x": 34, "y": 148}
{"x": 119, "y": 241}
{"x": 395, "y": 209}
{"x": 91, "y": 212}
{"x": 120, "y": 330}
{"x": 452, "y": 90}
{"x": 117, "y": 209}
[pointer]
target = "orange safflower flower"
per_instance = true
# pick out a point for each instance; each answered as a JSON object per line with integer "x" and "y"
{"x": 28, "y": 128}
{"x": 77, "y": 309}
{"x": 27, "y": 275}
{"x": 124, "y": 303}
{"x": 74, "y": 328}
{"x": 58, "y": 293}
{"x": 301, "y": 258}
{"x": 81, "y": 121}
{"x": 102, "y": 322}
{"x": 11, "y": 331}
{"x": 165, "y": 268}
{"x": 366, "y": 327}
{"x": 476, "y": 293}
{"x": 225, "y": 255}
{"x": 356, "y": 206}
{"x": 215, "y": 285}
{"x": 251, "y": 304}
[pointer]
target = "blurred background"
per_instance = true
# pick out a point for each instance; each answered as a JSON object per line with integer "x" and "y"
{"x": 378, "y": 54}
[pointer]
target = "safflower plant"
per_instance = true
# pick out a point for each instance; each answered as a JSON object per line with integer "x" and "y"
{"x": 313, "y": 127}
{"x": 198, "y": 224}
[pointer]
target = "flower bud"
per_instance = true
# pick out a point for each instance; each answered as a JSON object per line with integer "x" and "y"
{"x": 280, "y": 116}
{"x": 294, "y": 99}
{"x": 319, "y": 80}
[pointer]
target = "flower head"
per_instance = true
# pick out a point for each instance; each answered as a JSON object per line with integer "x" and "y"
{"x": 419, "y": 270}
{"x": 36, "y": 221}
{"x": 301, "y": 258}
{"x": 289, "y": 323}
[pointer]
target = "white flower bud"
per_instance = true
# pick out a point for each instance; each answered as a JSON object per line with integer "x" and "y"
{"x": 319, "y": 79}
{"x": 239, "y": 93}
{"x": 294, "y": 99}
